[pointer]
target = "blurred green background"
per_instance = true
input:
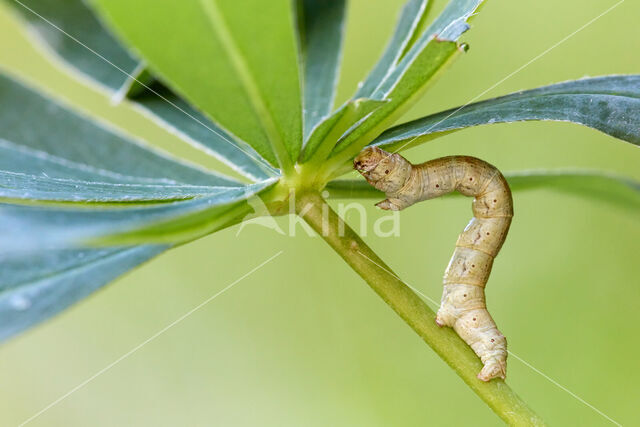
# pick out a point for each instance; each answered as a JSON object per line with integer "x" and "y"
{"x": 304, "y": 341}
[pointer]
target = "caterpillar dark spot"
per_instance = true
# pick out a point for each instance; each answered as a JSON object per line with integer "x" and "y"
{"x": 463, "y": 304}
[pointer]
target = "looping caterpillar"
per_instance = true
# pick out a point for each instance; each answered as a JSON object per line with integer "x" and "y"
{"x": 463, "y": 304}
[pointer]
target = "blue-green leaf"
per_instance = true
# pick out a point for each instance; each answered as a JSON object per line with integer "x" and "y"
{"x": 19, "y": 186}
{"x": 52, "y": 255}
{"x": 403, "y": 85}
{"x": 413, "y": 82}
{"x": 610, "y": 104}
{"x": 27, "y": 228}
{"x": 320, "y": 33}
{"x": 49, "y": 152}
{"x": 69, "y": 32}
{"x": 46, "y": 149}
{"x": 412, "y": 15}
{"x": 36, "y": 175}
{"x": 448, "y": 26}
{"x": 35, "y": 288}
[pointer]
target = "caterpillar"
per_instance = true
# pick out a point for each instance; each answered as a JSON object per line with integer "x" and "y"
{"x": 463, "y": 304}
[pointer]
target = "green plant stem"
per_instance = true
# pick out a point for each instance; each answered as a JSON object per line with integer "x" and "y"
{"x": 444, "y": 341}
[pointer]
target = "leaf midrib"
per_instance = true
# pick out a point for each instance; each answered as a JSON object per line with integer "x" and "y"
{"x": 159, "y": 185}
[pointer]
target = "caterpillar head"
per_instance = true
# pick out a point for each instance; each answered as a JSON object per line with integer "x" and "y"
{"x": 385, "y": 171}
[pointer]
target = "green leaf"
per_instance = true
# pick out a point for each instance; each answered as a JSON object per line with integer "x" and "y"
{"x": 594, "y": 185}
{"x": 325, "y": 135}
{"x": 403, "y": 85}
{"x": 320, "y": 32}
{"x": 448, "y": 26}
{"x": 68, "y": 156}
{"x": 610, "y": 104}
{"x": 71, "y": 34}
{"x": 409, "y": 87}
{"x": 409, "y": 22}
{"x": 35, "y": 288}
{"x": 240, "y": 68}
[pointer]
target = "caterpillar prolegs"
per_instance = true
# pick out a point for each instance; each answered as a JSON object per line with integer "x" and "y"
{"x": 463, "y": 302}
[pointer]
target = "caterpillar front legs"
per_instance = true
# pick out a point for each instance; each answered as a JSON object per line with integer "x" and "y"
{"x": 391, "y": 205}
{"x": 463, "y": 301}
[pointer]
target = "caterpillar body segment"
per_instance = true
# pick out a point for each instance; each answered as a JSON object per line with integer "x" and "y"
{"x": 463, "y": 304}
